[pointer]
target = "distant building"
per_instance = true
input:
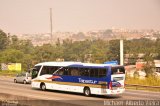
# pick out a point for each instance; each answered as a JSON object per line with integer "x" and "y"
{"x": 157, "y": 65}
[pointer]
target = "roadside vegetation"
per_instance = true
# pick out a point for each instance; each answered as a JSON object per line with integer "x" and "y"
{"x": 152, "y": 81}
{"x": 148, "y": 81}
{"x": 8, "y": 73}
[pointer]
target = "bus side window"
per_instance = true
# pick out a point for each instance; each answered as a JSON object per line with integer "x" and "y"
{"x": 84, "y": 72}
{"x": 60, "y": 72}
{"x": 53, "y": 69}
{"x": 45, "y": 70}
{"x": 74, "y": 71}
{"x": 66, "y": 71}
{"x": 94, "y": 72}
{"x": 102, "y": 72}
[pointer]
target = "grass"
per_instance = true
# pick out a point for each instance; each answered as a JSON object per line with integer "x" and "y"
{"x": 148, "y": 81}
{"x": 8, "y": 73}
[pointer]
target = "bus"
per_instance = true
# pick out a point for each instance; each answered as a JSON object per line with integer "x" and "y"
{"x": 86, "y": 78}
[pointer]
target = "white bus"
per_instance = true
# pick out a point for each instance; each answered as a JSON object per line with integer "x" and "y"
{"x": 87, "y": 78}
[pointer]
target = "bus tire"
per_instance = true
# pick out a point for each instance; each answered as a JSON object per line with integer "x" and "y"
{"x": 24, "y": 82}
{"x": 87, "y": 91}
{"x": 15, "y": 81}
{"x": 43, "y": 86}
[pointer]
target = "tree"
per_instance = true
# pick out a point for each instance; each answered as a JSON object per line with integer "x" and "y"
{"x": 11, "y": 56}
{"x": 26, "y": 46}
{"x": 79, "y": 35}
{"x": 4, "y": 40}
{"x": 113, "y": 53}
{"x": 157, "y": 43}
{"x": 107, "y": 33}
{"x": 99, "y": 50}
{"x": 149, "y": 66}
{"x": 58, "y": 43}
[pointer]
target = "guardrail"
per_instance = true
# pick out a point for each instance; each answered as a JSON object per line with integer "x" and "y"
{"x": 143, "y": 87}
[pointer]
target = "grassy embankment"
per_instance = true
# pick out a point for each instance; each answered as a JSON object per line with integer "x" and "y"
{"x": 9, "y": 73}
{"x": 149, "y": 81}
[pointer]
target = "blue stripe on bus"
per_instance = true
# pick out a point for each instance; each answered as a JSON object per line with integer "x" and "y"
{"x": 81, "y": 79}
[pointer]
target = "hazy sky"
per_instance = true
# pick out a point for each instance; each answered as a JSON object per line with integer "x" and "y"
{"x": 32, "y": 16}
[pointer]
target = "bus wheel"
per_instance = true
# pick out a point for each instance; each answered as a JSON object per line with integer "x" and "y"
{"x": 87, "y": 91}
{"x": 15, "y": 81}
{"x": 43, "y": 87}
{"x": 24, "y": 82}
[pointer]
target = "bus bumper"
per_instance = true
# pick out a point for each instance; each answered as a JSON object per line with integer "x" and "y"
{"x": 113, "y": 92}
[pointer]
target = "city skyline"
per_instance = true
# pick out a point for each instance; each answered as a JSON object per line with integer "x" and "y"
{"x": 32, "y": 16}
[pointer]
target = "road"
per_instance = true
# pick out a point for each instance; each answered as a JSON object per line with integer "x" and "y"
{"x": 7, "y": 86}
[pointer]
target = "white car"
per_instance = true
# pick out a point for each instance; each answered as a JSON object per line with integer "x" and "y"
{"x": 23, "y": 78}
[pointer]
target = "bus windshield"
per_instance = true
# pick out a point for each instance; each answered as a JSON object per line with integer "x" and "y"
{"x": 35, "y": 71}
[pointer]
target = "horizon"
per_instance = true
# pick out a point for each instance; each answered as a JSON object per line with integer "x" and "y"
{"x": 83, "y": 31}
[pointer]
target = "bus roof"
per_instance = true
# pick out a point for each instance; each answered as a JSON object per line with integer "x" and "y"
{"x": 74, "y": 64}
{"x": 57, "y": 63}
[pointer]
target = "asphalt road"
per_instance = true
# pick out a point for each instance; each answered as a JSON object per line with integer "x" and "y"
{"x": 8, "y": 86}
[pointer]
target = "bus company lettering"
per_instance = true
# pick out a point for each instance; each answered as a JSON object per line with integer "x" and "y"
{"x": 87, "y": 81}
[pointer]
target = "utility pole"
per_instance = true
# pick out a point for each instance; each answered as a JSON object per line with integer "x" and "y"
{"x": 51, "y": 26}
{"x": 121, "y": 52}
